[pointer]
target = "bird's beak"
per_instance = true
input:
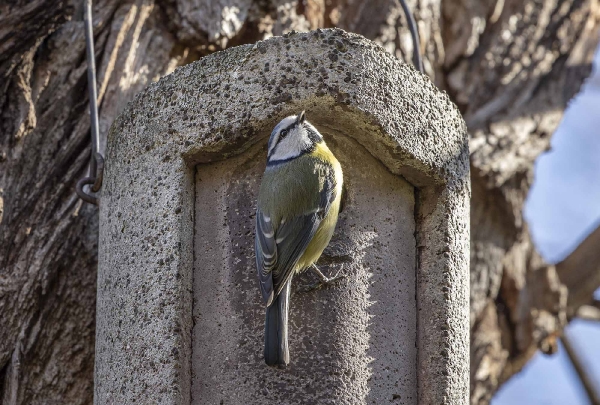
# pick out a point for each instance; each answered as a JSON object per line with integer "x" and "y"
{"x": 301, "y": 117}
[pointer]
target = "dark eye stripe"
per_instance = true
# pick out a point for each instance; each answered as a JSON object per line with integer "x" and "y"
{"x": 283, "y": 133}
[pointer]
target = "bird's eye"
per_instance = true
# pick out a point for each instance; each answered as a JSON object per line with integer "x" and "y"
{"x": 283, "y": 134}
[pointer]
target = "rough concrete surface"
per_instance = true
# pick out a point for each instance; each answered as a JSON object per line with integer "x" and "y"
{"x": 351, "y": 343}
{"x": 224, "y": 105}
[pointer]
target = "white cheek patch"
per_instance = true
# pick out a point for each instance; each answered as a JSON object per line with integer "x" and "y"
{"x": 284, "y": 123}
{"x": 291, "y": 147}
{"x": 283, "y": 154}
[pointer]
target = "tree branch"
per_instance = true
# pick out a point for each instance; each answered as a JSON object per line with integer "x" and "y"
{"x": 580, "y": 272}
{"x": 588, "y": 312}
{"x": 585, "y": 379}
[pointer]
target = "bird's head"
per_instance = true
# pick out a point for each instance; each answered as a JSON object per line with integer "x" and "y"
{"x": 292, "y": 137}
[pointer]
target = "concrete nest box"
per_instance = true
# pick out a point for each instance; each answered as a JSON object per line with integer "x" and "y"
{"x": 180, "y": 318}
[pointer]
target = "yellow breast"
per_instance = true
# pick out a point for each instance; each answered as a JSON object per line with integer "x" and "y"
{"x": 325, "y": 231}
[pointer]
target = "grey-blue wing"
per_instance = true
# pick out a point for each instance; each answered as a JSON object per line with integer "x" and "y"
{"x": 292, "y": 239}
{"x": 266, "y": 255}
{"x": 279, "y": 246}
{"x": 328, "y": 193}
{"x": 278, "y": 252}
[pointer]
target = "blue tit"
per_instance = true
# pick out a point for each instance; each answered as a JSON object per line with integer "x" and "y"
{"x": 297, "y": 210}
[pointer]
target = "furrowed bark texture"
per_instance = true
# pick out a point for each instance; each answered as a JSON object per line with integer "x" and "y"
{"x": 510, "y": 65}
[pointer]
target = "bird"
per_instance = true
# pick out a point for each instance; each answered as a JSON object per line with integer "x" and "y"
{"x": 297, "y": 210}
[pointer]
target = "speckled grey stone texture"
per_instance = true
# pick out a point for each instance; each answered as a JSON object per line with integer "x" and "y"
{"x": 225, "y": 105}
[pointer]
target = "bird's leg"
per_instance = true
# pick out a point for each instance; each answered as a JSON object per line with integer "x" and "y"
{"x": 324, "y": 279}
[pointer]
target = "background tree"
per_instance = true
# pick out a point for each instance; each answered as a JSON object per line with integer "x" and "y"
{"x": 510, "y": 65}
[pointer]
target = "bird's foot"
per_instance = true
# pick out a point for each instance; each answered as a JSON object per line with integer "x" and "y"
{"x": 320, "y": 284}
{"x": 324, "y": 280}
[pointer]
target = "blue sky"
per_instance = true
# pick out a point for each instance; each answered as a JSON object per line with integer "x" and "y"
{"x": 562, "y": 208}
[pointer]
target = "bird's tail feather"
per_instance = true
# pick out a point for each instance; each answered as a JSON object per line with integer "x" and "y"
{"x": 276, "y": 329}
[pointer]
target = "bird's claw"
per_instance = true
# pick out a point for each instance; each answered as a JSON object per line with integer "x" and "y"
{"x": 327, "y": 281}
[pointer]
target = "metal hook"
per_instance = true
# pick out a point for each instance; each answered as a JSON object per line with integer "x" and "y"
{"x": 95, "y": 182}
{"x": 97, "y": 160}
{"x": 81, "y": 192}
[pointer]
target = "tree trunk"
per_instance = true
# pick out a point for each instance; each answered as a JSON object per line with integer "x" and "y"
{"x": 510, "y": 65}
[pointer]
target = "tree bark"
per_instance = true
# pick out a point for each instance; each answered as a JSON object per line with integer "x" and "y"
{"x": 510, "y": 65}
